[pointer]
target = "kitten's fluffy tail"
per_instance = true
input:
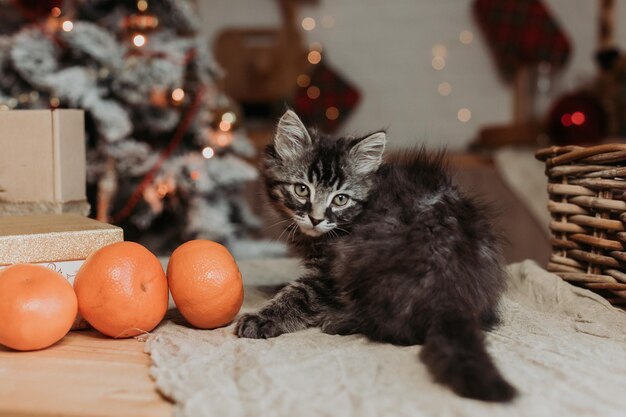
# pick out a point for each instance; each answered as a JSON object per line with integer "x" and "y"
{"x": 455, "y": 354}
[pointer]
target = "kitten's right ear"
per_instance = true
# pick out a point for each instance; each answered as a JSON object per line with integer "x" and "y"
{"x": 291, "y": 136}
{"x": 367, "y": 154}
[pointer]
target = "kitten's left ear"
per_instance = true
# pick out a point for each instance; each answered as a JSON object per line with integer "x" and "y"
{"x": 367, "y": 155}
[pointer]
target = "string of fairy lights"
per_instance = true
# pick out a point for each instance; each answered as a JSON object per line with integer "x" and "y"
{"x": 225, "y": 117}
{"x": 439, "y": 53}
{"x": 314, "y": 57}
{"x": 140, "y": 24}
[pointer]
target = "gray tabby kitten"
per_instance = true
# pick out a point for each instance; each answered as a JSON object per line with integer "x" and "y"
{"x": 393, "y": 251}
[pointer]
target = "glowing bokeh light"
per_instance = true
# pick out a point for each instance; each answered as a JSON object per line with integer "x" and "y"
{"x": 225, "y": 126}
{"x": 303, "y": 80}
{"x": 466, "y": 37}
{"x": 67, "y": 26}
{"x": 139, "y": 40}
{"x": 578, "y": 118}
{"x": 464, "y": 115}
{"x": 229, "y": 117}
{"x": 223, "y": 139}
{"x": 566, "y": 120}
{"x": 208, "y": 152}
{"x": 444, "y": 89}
{"x": 178, "y": 95}
{"x": 313, "y": 92}
{"x": 308, "y": 23}
{"x": 332, "y": 113}
{"x": 314, "y": 57}
{"x": 438, "y": 63}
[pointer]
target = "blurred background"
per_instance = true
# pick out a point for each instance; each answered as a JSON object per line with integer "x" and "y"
{"x": 181, "y": 96}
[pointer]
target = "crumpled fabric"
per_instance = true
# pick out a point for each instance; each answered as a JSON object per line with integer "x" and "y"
{"x": 563, "y": 347}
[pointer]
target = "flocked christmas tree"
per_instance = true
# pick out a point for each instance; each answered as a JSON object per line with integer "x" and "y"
{"x": 162, "y": 139}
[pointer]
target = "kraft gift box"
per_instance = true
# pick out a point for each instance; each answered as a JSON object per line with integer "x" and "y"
{"x": 61, "y": 242}
{"x": 42, "y": 162}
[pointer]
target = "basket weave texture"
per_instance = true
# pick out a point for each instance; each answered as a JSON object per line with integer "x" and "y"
{"x": 587, "y": 190}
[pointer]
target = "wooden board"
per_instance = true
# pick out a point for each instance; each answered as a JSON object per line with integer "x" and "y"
{"x": 86, "y": 374}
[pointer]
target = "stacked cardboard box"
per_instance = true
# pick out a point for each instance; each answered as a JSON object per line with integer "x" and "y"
{"x": 42, "y": 162}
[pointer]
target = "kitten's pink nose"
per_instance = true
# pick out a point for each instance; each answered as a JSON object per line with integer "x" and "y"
{"x": 315, "y": 221}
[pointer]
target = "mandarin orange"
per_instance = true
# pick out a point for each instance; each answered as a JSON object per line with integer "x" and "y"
{"x": 205, "y": 283}
{"x": 37, "y": 307}
{"x": 122, "y": 290}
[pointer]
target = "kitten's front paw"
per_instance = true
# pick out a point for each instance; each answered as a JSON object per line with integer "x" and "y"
{"x": 253, "y": 326}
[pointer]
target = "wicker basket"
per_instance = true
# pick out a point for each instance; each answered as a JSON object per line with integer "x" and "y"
{"x": 587, "y": 189}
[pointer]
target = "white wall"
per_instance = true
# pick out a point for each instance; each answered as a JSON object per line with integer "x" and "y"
{"x": 384, "y": 48}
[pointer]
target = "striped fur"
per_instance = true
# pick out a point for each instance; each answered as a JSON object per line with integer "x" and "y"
{"x": 409, "y": 259}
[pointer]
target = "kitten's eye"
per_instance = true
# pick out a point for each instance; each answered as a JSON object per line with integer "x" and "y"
{"x": 301, "y": 190}
{"x": 340, "y": 200}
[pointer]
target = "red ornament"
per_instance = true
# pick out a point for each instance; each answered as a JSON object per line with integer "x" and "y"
{"x": 577, "y": 119}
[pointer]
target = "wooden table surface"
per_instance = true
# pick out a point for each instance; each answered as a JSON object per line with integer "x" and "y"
{"x": 85, "y": 374}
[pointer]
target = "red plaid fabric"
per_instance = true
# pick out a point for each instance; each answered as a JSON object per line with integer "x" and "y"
{"x": 520, "y": 33}
{"x": 336, "y": 101}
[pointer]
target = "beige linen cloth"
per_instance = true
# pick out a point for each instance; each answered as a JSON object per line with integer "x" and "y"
{"x": 563, "y": 347}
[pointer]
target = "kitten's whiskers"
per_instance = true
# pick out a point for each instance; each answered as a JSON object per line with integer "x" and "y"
{"x": 276, "y": 224}
{"x": 285, "y": 229}
{"x": 293, "y": 233}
